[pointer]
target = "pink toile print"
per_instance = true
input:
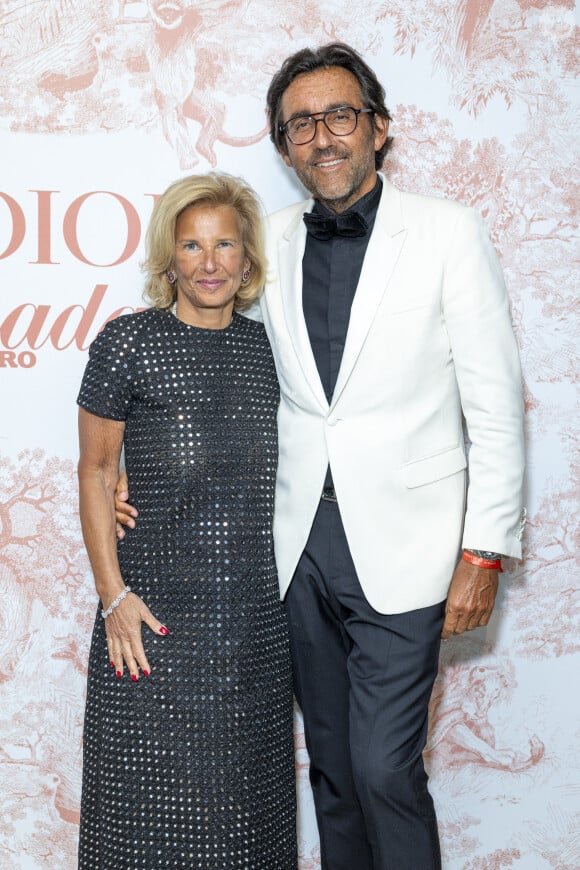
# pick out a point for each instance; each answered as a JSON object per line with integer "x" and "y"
{"x": 102, "y": 105}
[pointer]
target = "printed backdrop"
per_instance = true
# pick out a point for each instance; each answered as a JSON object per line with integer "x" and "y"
{"x": 102, "y": 104}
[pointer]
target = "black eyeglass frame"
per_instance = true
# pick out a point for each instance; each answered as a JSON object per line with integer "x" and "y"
{"x": 321, "y": 117}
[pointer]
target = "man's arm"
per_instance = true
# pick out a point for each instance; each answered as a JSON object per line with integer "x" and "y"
{"x": 125, "y": 514}
{"x": 486, "y": 363}
{"x": 488, "y": 374}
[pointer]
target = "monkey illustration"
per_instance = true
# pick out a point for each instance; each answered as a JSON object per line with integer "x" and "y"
{"x": 185, "y": 77}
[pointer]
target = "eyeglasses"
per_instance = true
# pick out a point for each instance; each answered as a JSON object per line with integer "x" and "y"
{"x": 340, "y": 122}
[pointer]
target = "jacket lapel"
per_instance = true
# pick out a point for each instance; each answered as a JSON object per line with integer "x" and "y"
{"x": 382, "y": 253}
{"x": 291, "y": 252}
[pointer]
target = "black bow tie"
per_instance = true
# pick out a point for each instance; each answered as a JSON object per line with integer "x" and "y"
{"x": 322, "y": 226}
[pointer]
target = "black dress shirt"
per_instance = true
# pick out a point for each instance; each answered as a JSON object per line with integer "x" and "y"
{"x": 330, "y": 272}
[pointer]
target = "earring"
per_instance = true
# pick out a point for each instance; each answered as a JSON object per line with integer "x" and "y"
{"x": 245, "y": 275}
{"x": 171, "y": 277}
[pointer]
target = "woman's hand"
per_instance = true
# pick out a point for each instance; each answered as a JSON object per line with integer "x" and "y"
{"x": 123, "y": 627}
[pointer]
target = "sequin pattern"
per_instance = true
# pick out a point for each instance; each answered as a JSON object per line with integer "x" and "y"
{"x": 192, "y": 767}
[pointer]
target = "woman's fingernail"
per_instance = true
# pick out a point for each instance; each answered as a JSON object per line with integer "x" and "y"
{"x": 146, "y": 673}
{"x": 163, "y": 630}
{"x": 134, "y": 677}
{"x": 119, "y": 673}
{"x": 112, "y": 664}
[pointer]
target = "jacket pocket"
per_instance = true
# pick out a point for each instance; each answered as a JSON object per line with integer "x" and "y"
{"x": 434, "y": 467}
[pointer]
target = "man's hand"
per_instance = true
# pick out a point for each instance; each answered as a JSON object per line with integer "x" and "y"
{"x": 470, "y": 600}
{"x": 125, "y": 513}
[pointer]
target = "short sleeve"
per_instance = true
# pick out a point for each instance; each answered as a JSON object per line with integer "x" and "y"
{"x": 107, "y": 385}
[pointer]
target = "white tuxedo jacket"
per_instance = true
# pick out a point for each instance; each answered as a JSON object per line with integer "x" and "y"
{"x": 429, "y": 337}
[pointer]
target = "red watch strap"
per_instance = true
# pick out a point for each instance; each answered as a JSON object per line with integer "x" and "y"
{"x": 494, "y": 564}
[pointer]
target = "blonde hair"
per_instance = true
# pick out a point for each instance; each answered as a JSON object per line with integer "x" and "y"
{"x": 213, "y": 189}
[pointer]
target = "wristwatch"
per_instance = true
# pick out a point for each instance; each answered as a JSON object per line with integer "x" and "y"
{"x": 485, "y": 554}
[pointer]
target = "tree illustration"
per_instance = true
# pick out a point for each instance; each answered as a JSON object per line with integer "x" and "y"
{"x": 40, "y": 534}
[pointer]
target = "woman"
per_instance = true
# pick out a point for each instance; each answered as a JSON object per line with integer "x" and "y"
{"x": 188, "y": 758}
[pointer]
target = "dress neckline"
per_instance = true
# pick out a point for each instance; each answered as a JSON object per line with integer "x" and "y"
{"x": 201, "y": 329}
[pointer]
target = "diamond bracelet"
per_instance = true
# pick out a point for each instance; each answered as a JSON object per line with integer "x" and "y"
{"x": 116, "y": 602}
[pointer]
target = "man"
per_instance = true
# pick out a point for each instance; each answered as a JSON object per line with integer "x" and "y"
{"x": 388, "y": 318}
{"x": 381, "y": 340}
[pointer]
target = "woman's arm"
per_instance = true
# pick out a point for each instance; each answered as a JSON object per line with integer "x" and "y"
{"x": 100, "y": 443}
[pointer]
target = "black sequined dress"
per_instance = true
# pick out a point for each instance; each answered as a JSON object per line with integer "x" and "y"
{"x": 192, "y": 767}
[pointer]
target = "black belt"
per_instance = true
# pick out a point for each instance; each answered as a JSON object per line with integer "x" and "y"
{"x": 328, "y": 494}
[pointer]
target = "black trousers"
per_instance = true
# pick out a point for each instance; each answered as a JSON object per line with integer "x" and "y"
{"x": 363, "y": 681}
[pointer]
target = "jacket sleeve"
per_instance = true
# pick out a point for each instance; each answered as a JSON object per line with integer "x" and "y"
{"x": 477, "y": 318}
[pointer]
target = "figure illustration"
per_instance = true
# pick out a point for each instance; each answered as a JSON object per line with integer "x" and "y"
{"x": 462, "y": 731}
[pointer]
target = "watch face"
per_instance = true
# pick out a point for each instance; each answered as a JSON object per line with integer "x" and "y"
{"x": 486, "y": 554}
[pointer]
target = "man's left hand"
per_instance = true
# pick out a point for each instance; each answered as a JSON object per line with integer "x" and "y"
{"x": 470, "y": 599}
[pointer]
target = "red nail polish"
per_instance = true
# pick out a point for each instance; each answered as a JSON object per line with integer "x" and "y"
{"x": 163, "y": 630}
{"x": 134, "y": 677}
{"x": 146, "y": 673}
{"x": 119, "y": 673}
{"x": 112, "y": 664}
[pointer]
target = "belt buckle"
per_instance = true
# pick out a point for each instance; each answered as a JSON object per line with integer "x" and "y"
{"x": 328, "y": 494}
